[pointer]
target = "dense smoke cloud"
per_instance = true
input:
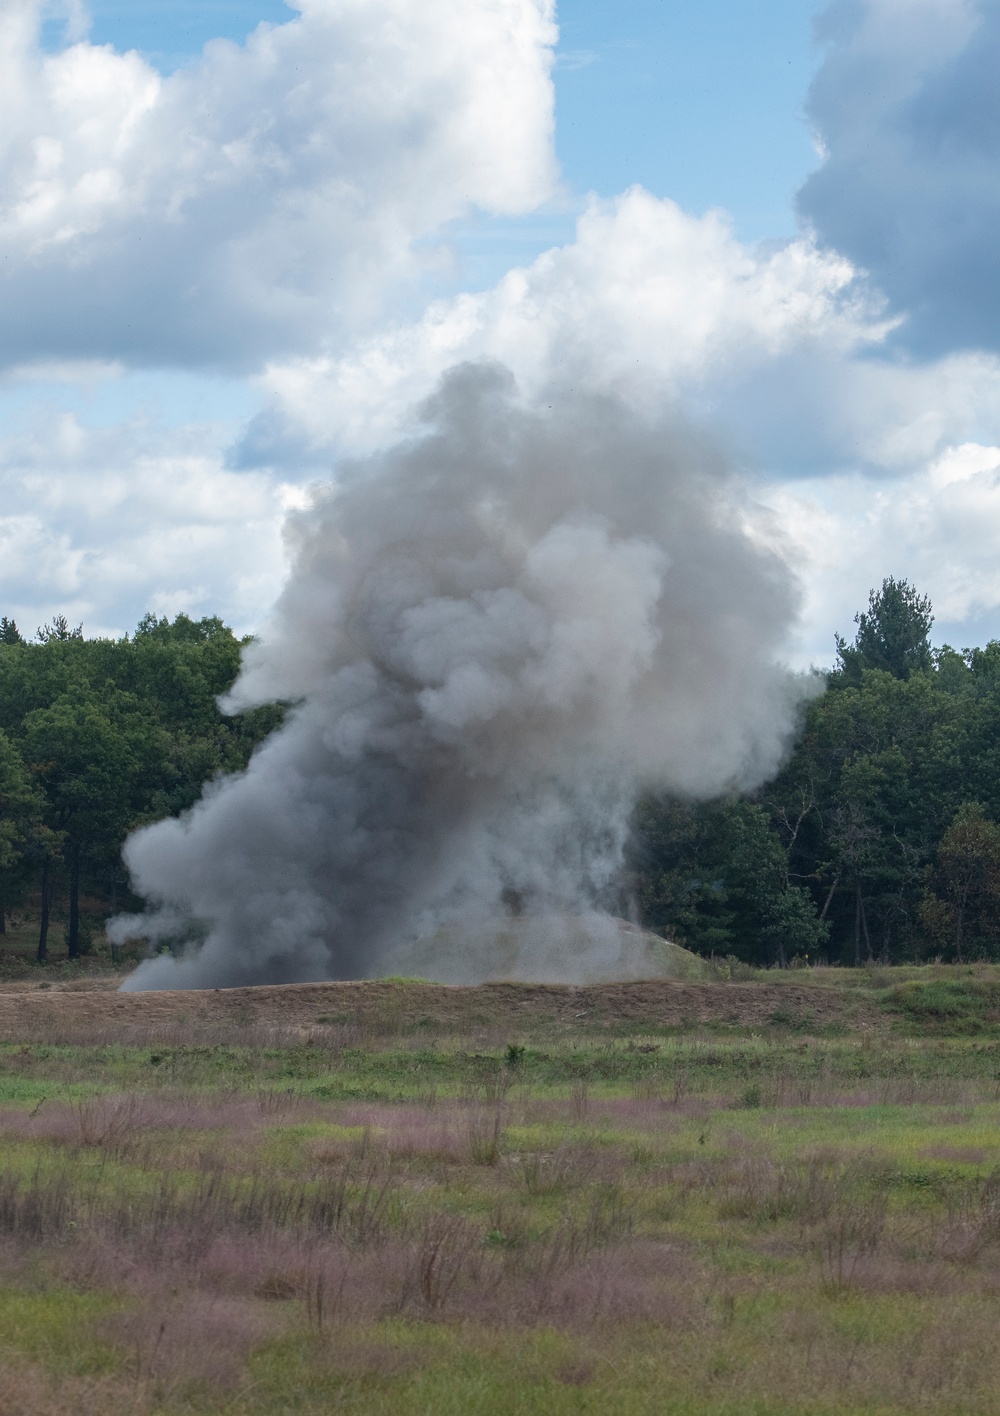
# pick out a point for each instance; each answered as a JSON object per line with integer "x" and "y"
{"x": 493, "y": 633}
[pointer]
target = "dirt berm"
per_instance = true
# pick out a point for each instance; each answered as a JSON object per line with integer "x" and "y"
{"x": 382, "y": 1006}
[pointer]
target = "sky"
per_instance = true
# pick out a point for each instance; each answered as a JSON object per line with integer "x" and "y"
{"x": 241, "y": 242}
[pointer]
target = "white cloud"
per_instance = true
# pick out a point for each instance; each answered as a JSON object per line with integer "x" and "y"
{"x": 267, "y": 197}
{"x": 104, "y": 524}
{"x": 648, "y": 302}
{"x": 779, "y": 349}
{"x": 940, "y": 528}
{"x": 881, "y": 461}
{"x": 79, "y": 373}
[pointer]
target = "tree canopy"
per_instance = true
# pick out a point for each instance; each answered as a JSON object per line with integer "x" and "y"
{"x": 884, "y": 818}
{"x": 893, "y": 634}
{"x": 99, "y": 736}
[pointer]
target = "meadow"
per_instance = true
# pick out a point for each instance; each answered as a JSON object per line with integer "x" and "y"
{"x": 420, "y": 1209}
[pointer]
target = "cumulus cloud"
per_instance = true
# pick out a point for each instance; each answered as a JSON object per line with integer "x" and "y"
{"x": 779, "y": 349}
{"x": 269, "y": 196}
{"x": 907, "y": 111}
{"x": 940, "y": 527}
{"x": 648, "y": 302}
{"x": 103, "y": 524}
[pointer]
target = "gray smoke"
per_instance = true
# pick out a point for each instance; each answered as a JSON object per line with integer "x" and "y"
{"x": 493, "y": 635}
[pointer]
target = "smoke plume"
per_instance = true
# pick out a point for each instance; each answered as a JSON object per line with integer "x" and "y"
{"x": 492, "y": 636}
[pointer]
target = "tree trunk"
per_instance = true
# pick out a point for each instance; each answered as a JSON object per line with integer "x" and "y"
{"x": 829, "y": 899}
{"x": 958, "y": 932}
{"x": 857, "y": 927}
{"x": 114, "y": 911}
{"x": 864, "y": 925}
{"x": 43, "y": 933}
{"x": 73, "y": 938}
{"x": 3, "y": 915}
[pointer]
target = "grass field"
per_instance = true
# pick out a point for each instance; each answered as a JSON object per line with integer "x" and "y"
{"x": 471, "y": 1201}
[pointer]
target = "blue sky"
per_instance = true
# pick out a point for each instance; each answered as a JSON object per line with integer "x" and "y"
{"x": 224, "y": 271}
{"x": 699, "y": 102}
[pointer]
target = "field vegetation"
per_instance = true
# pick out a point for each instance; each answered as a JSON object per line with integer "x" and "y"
{"x": 393, "y": 1197}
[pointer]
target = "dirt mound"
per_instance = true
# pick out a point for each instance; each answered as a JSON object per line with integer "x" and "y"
{"x": 544, "y": 948}
{"x": 390, "y": 1007}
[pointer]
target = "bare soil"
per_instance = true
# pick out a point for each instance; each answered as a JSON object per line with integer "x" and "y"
{"x": 400, "y": 1007}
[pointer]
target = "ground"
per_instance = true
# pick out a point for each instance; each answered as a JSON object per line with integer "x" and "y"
{"x": 773, "y": 1195}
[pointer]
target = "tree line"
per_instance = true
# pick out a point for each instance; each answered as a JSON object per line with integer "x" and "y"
{"x": 878, "y": 840}
{"x": 98, "y": 737}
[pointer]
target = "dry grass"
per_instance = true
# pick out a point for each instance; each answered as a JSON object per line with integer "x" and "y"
{"x": 348, "y": 1220}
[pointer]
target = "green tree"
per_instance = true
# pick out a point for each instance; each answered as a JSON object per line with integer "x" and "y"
{"x": 675, "y": 872}
{"x": 57, "y": 630}
{"x": 870, "y": 812}
{"x": 20, "y": 825}
{"x": 773, "y": 920}
{"x": 714, "y": 877}
{"x": 967, "y": 880}
{"x": 115, "y": 733}
{"x": 885, "y": 763}
{"x": 893, "y": 634}
{"x": 86, "y": 764}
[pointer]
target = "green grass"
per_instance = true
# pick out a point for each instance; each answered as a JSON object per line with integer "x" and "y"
{"x": 702, "y": 1222}
{"x": 969, "y": 1006}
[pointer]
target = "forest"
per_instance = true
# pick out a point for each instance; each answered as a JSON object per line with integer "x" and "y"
{"x": 97, "y": 737}
{"x": 878, "y": 840}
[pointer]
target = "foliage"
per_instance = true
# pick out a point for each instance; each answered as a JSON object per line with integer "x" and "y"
{"x": 883, "y": 823}
{"x": 714, "y": 877}
{"x": 893, "y": 635}
{"x": 99, "y": 736}
{"x": 964, "y": 912}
